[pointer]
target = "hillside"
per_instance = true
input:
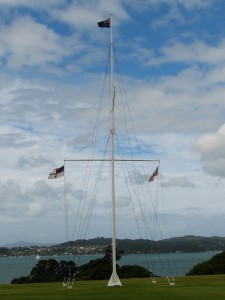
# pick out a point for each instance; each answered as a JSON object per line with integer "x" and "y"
{"x": 215, "y": 265}
{"x": 97, "y": 245}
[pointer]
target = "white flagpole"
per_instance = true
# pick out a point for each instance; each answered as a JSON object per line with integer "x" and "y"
{"x": 114, "y": 280}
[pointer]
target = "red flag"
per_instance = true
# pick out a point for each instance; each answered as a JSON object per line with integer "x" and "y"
{"x": 155, "y": 173}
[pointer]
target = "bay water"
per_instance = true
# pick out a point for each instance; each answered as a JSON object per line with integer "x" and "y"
{"x": 176, "y": 264}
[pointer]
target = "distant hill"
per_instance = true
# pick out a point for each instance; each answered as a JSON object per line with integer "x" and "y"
{"x": 98, "y": 245}
{"x": 189, "y": 243}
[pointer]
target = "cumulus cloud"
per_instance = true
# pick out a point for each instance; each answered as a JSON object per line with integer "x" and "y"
{"x": 198, "y": 52}
{"x": 211, "y": 148}
{"x": 35, "y": 201}
{"x": 29, "y": 47}
{"x": 181, "y": 182}
{"x": 138, "y": 178}
{"x": 27, "y": 162}
{"x": 174, "y": 12}
{"x": 15, "y": 141}
{"x": 199, "y": 223}
{"x": 84, "y": 14}
{"x": 30, "y": 3}
{"x": 177, "y": 51}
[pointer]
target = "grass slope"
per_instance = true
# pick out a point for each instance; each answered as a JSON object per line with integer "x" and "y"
{"x": 191, "y": 288}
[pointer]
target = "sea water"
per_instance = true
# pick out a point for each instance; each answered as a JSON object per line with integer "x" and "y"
{"x": 176, "y": 264}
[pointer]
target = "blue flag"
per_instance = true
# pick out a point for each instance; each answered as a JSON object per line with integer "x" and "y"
{"x": 105, "y": 23}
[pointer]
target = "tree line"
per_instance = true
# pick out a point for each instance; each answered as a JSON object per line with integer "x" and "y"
{"x": 98, "y": 269}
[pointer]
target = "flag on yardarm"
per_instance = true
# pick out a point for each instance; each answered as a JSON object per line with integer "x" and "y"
{"x": 56, "y": 173}
{"x": 105, "y": 23}
{"x": 155, "y": 173}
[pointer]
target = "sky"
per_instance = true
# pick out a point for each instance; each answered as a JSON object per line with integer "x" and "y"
{"x": 171, "y": 55}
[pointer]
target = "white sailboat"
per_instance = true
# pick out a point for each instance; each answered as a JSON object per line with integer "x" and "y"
{"x": 114, "y": 279}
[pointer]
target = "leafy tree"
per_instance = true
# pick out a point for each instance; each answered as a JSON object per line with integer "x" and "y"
{"x": 108, "y": 254}
{"x": 133, "y": 272}
{"x": 23, "y": 279}
{"x": 45, "y": 271}
{"x": 48, "y": 271}
{"x": 101, "y": 268}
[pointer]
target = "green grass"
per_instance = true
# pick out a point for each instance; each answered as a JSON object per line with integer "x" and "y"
{"x": 191, "y": 288}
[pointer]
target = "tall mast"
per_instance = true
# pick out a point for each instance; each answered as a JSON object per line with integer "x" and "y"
{"x": 114, "y": 280}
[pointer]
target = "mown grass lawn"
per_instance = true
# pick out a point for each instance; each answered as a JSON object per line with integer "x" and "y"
{"x": 192, "y": 288}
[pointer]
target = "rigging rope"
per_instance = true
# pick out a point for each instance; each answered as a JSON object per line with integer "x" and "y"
{"x": 154, "y": 205}
{"x": 83, "y": 216}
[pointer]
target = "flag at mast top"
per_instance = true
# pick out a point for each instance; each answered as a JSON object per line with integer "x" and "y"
{"x": 105, "y": 23}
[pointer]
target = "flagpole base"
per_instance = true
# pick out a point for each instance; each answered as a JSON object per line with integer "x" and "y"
{"x": 114, "y": 280}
